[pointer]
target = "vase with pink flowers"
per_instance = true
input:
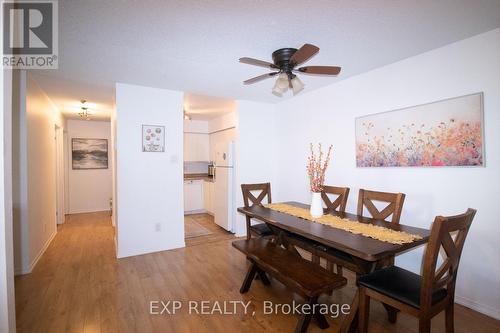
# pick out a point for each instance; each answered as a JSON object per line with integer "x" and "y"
{"x": 317, "y": 163}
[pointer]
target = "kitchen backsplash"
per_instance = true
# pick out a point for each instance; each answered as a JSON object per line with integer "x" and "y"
{"x": 195, "y": 167}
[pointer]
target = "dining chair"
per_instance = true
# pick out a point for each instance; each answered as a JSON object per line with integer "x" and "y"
{"x": 249, "y": 199}
{"x": 426, "y": 295}
{"x": 333, "y": 205}
{"x": 395, "y": 204}
{"x": 337, "y": 205}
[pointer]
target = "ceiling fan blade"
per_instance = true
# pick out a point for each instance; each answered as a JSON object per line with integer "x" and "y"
{"x": 256, "y": 62}
{"x": 306, "y": 52}
{"x": 325, "y": 70}
{"x": 259, "y": 78}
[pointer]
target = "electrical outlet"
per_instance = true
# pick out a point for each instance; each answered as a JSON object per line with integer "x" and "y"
{"x": 158, "y": 227}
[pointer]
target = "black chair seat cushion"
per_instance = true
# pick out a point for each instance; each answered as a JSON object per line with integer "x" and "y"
{"x": 400, "y": 284}
{"x": 261, "y": 229}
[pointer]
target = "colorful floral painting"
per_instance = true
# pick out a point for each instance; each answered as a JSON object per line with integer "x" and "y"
{"x": 153, "y": 138}
{"x": 443, "y": 133}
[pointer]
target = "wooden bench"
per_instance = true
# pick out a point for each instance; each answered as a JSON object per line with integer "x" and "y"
{"x": 302, "y": 276}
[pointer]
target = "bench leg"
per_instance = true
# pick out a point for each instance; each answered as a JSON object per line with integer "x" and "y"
{"x": 303, "y": 323}
{"x": 322, "y": 323}
{"x": 252, "y": 270}
{"x": 263, "y": 277}
{"x": 305, "y": 319}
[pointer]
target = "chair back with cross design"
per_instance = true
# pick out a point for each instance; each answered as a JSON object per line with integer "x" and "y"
{"x": 395, "y": 204}
{"x": 249, "y": 200}
{"x": 442, "y": 242}
{"x": 337, "y": 205}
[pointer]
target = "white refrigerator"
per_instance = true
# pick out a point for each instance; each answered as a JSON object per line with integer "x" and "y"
{"x": 224, "y": 185}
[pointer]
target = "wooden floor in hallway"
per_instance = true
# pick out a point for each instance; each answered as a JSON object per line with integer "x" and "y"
{"x": 208, "y": 233}
{"x": 80, "y": 286}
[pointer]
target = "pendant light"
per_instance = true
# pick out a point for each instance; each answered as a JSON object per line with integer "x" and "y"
{"x": 84, "y": 113}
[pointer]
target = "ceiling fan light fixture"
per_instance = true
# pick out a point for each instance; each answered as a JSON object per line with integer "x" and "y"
{"x": 277, "y": 91}
{"x": 285, "y": 63}
{"x": 282, "y": 81}
{"x": 297, "y": 85}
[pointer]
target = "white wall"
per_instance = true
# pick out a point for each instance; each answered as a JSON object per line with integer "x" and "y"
{"x": 34, "y": 182}
{"x": 20, "y": 172}
{"x": 149, "y": 185}
{"x": 112, "y": 157}
{"x": 327, "y": 115}
{"x": 7, "y": 302}
{"x": 89, "y": 190}
{"x": 255, "y": 149}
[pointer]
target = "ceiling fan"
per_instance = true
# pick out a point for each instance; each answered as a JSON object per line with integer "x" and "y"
{"x": 284, "y": 63}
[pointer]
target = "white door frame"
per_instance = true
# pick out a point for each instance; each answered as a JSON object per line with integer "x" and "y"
{"x": 59, "y": 173}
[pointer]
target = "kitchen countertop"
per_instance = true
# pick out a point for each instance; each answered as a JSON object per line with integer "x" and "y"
{"x": 198, "y": 176}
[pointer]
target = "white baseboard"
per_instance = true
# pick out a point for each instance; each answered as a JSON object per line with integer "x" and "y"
{"x": 484, "y": 309}
{"x": 29, "y": 269}
{"x": 21, "y": 271}
{"x": 197, "y": 211}
{"x": 135, "y": 252}
{"x": 95, "y": 210}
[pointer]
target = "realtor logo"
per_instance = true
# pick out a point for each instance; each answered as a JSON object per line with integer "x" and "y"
{"x": 30, "y": 34}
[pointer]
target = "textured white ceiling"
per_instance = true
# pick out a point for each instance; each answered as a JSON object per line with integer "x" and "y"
{"x": 200, "y": 107}
{"x": 194, "y": 46}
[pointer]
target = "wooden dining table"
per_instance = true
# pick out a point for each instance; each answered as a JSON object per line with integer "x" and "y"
{"x": 358, "y": 253}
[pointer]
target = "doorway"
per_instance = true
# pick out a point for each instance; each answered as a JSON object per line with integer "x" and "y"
{"x": 59, "y": 173}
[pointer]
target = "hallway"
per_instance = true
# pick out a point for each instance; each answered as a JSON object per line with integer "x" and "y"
{"x": 73, "y": 287}
{"x": 79, "y": 286}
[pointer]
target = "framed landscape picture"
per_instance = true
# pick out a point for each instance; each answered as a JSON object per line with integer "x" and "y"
{"x": 153, "y": 138}
{"x": 443, "y": 133}
{"x": 89, "y": 153}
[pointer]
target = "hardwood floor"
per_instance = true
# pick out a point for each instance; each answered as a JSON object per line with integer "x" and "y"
{"x": 79, "y": 286}
{"x": 207, "y": 221}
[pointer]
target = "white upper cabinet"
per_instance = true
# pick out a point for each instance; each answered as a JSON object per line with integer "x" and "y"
{"x": 196, "y": 147}
{"x": 196, "y": 141}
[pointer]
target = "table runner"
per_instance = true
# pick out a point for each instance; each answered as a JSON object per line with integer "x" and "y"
{"x": 355, "y": 227}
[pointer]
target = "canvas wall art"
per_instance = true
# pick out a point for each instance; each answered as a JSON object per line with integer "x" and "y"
{"x": 442, "y": 133}
{"x": 153, "y": 138}
{"x": 89, "y": 153}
